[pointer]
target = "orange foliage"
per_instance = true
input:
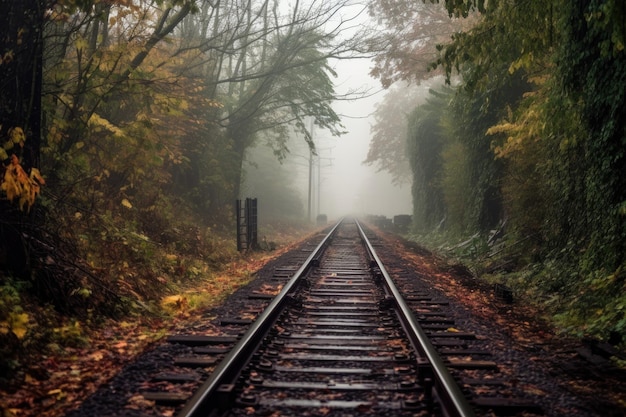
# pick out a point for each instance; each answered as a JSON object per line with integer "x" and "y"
{"x": 17, "y": 184}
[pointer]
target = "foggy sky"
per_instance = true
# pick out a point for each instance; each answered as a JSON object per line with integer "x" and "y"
{"x": 349, "y": 186}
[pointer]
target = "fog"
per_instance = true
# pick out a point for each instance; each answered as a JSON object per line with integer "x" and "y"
{"x": 337, "y": 183}
{"x": 340, "y": 184}
{"x": 348, "y": 186}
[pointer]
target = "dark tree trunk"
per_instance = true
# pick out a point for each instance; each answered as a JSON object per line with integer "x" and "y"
{"x": 20, "y": 73}
{"x": 21, "y": 28}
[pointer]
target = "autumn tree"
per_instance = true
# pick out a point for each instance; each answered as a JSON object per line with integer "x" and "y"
{"x": 270, "y": 69}
{"x": 563, "y": 143}
{"x": 541, "y": 85}
{"x": 425, "y": 143}
{"x": 116, "y": 98}
{"x": 388, "y": 145}
{"x": 20, "y": 123}
{"x": 150, "y": 109}
{"x": 405, "y": 46}
{"x": 21, "y": 26}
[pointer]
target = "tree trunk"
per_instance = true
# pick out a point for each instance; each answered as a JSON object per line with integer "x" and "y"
{"x": 20, "y": 107}
{"x": 20, "y": 73}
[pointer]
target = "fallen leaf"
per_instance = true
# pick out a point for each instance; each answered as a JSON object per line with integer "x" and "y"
{"x": 120, "y": 345}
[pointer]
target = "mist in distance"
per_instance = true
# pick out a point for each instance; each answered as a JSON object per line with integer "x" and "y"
{"x": 343, "y": 185}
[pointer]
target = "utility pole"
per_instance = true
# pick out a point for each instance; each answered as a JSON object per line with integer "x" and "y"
{"x": 319, "y": 184}
{"x": 315, "y": 161}
{"x": 311, "y": 149}
{"x": 310, "y": 182}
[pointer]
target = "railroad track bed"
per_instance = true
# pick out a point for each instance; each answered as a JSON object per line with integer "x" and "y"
{"x": 337, "y": 350}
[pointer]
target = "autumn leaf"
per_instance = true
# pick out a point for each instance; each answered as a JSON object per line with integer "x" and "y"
{"x": 81, "y": 43}
{"x": 96, "y": 356}
{"x": 175, "y": 303}
{"x": 18, "y": 185}
{"x": 16, "y": 323}
{"x": 137, "y": 402}
{"x": 120, "y": 345}
{"x": 19, "y": 325}
{"x": 17, "y": 135}
{"x": 35, "y": 175}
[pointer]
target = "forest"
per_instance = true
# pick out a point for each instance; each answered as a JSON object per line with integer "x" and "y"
{"x": 128, "y": 127}
{"x": 517, "y": 155}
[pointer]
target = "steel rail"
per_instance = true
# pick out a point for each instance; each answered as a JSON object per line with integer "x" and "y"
{"x": 207, "y": 397}
{"x": 453, "y": 401}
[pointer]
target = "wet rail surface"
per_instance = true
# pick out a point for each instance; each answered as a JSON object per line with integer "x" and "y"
{"x": 341, "y": 340}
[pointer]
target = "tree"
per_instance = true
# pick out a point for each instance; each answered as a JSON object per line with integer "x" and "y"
{"x": 89, "y": 67}
{"x": 406, "y": 46}
{"x": 546, "y": 82}
{"x": 98, "y": 119}
{"x": 388, "y": 145}
{"x": 150, "y": 108}
{"x": 590, "y": 82}
{"x": 296, "y": 87}
{"x": 20, "y": 121}
{"x": 117, "y": 103}
{"x": 181, "y": 114}
{"x": 424, "y": 146}
{"x": 404, "y": 50}
{"x": 270, "y": 69}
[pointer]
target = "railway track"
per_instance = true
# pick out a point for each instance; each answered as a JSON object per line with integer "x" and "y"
{"x": 319, "y": 332}
{"x": 340, "y": 339}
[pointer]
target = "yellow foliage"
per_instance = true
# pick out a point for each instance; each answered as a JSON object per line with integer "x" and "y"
{"x": 175, "y": 303}
{"x": 529, "y": 127}
{"x": 17, "y": 323}
{"x": 17, "y": 136}
{"x": 18, "y": 185}
{"x": 15, "y": 182}
{"x": 98, "y": 123}
{"x": 81, "y": 43}
{"x": 525, "y": 61}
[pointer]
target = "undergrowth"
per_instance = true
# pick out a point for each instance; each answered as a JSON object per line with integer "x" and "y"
{"x": 577, "y": 301}
{"x": 116, "y": 266}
